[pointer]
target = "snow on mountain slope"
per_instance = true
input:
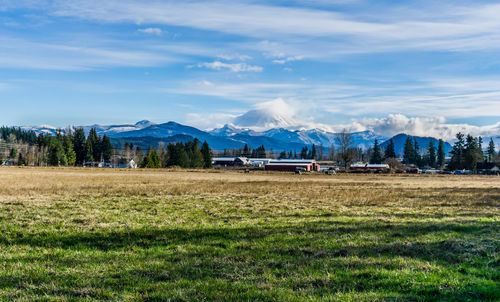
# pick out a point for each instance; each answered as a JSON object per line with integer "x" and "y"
{"x": 44, "y": 129}
{"x": 263, "y": 119}
{"x": 231, "y": 130}
{"x": 115, "y": 129}
{"x": 273, "y": 114}
{"x": 232, "y": 136}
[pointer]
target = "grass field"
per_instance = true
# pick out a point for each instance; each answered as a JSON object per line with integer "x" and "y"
{"x": 82, "y": 234}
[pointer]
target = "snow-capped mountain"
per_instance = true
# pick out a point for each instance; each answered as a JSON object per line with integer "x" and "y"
{"x": 231, "y": 136}
{"x": 43, "y": 129}
{"x": 263, "y": 119}
{"x": 227, "y": 137}
{"x": 319, "y": 137}
{"x": 101, "y": 129}
{"x": 231, "y": 130}
{"x": 112, "y": 129}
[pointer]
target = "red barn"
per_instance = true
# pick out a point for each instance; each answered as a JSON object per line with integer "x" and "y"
{"x": 292, "y": 165}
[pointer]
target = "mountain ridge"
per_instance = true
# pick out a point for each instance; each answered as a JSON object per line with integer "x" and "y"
{"x": 233, "y": 137}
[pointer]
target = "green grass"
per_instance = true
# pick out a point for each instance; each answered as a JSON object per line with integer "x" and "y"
{"x": 155, "y": 236}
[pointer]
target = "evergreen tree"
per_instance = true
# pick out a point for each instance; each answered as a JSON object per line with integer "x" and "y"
{"x": 79, "y": 146}
{"x": 409, "y": 152}
{"x": 283, "y": 154}
{"x": 207, "y": 155}
{"x": 183, "y": 160}
{"x": 106, "y": 148}
{"x": 95, "y": 145}
{"x": 261, "y": 152}
{"x": 69, "y": 150}
{"x": 441, "y": 155}
{"x": 431, "y": 154}
{"x": 177, "y": 155}
{"x": 152, "y": 160}
{"x": 246, "y": 151}
{"x": 313, "y": 152}
{"x": 417, "y": 158}
{"x": 303, "y": 152}
{"x": 458, "y": 153}
{"x": 173, "y": 157}
{"x": 12, "y": 153}
{"x": 376, "y": 156}
{"x": 390, "y": 151}
{"x": 196, "y": 157}
{"x": 89, "y": 151}
{"x": 43, "y": 140}
{"x": 491, "y": 151}
{"x": 57, "y": 156}
{"x": 473, "y": 153}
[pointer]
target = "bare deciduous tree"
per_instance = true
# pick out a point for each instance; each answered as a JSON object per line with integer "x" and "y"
{"x": 344, "y": 140}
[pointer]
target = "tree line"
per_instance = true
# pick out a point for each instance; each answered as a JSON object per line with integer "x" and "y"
{"x": 467, "y": 152}
{"x": 192, "y": 154}
{"x": 77, "y": 149}
{"x": 431, "y": 157}
{"x": 61, "y": 149}
{"x": 246, "y": 151}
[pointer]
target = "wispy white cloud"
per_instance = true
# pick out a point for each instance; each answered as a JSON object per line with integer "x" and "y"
{"x": 248, "y": 36}
{"x": 243, "y": 92}
{"x": 20, "y": 53}
{"x": 234, "y": 67}
{"x": 284, "y": 60}
{"x": 316, "y": 34}
{"x": 436, "y": 27}
{"x": 432, "y": 98}
{"x": 151, "y": 31}
{"x": 230, "y": 57}
{"x": 209, "y": 121}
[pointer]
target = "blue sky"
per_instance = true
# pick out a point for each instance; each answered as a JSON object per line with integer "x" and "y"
{"x": 333, "y": 63}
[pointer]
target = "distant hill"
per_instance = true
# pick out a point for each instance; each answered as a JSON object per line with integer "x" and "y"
{"x": 400, "y": 140}
{"x": 146, "y": 133}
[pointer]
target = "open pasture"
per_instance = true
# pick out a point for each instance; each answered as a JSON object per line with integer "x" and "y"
{"x": 155, "y": 235}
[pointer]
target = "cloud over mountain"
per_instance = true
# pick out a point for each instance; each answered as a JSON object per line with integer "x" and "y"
{"x": 422, "y": 126}
{"x": 280, "y": 113}
{"x": 273, "y": 114}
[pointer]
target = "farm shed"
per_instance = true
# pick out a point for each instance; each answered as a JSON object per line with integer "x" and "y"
{"x": 230, "y": 161}
{"x": 308, "y": 165}
{"x": 369, "y": 167}
{"x": 259, "y": 162}
{"x": 131, "y": 164}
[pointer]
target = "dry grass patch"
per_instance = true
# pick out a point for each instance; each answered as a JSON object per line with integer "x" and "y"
{"x": 97, "y": 234}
